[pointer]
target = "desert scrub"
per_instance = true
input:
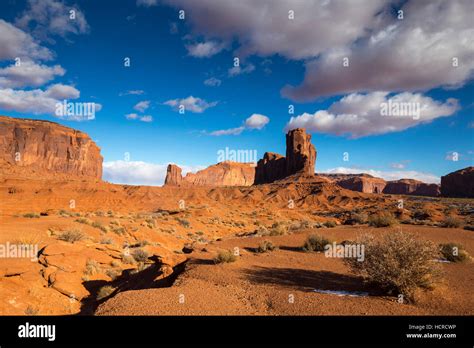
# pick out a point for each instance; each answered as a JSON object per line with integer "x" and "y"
{"x": 84, "y": 221}
{"x": 119, "y": 230}
{"x": 225, "y": 256}
{"x": 384, "y": 219}
{"x": 265, "y": 246}
{"x": 315, "y": 243}
{"x": 454, "y": 252}
{"x": 100, "y": 226}
{"x": 140, "y": 255}
{"x": 330, "y": 224}
{"x": 106, "y": 241}
{"x": 31, "y": 215}
{"x": 71, "y": 236}
{"x": 278, "y": 229}
{"x": 113, "y": 273}
{"x": 92, "y": 267}
{"x": 127, "y": 259}
{"x": 469, "y": 228}
{"x": 451, "y": 222}
{"x": 183, "y": 222}
{"x": 105, "y": 291}
{"x": 359, "y": 218}
{"x": 31, "y": 311}
{"x": 397, "y": 263}
{"x": 150, "y": 222}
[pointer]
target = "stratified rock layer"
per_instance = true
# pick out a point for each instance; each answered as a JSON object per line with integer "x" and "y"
{"x": 35, "y": 147}
{"x": 459, "y": 183}
{"x": 411, "y": 187}
{"x": 363, "y": 183}
{"x": 173, "y": 175}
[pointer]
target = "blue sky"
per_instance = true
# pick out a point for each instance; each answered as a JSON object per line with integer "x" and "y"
{"x": 170, "y": 60}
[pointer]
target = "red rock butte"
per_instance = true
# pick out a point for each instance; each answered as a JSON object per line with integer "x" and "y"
{"x": 34, "y": 147}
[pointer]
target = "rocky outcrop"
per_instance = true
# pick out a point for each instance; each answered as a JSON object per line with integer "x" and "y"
{"x": 221, "y": 174}
{"x": 300, "y": 159}
{"x": 173, "y": 175}
{"x": 363, "y": 183}
{"x": 270, "y": 168}
{"x": 411, "y": 187}
{"x": 34, "y": 147}
{"x": 300, "y": 153}
{"x": 459, "y": 183}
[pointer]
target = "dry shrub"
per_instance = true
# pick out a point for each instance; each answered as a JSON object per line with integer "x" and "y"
{"x": 451, "y": 222}
{"x": 454, "y": 252}
{"x": 315, "y": 243}
{"x": 383, "y": 219}
{"x": 397, "y": 263}
{"x": 265, "y": 246}
{"x": 225, "y": 256}
{"x": 71, "y": 236}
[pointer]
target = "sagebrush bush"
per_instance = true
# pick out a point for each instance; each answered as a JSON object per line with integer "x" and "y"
{"x": 454, "y": 252}
{"x": 31, "y": 215}
{"x": 451, "y": 222}
{"x": 105, "y": 291}
{"x": 225, "y": 256}
{"x": 359, "y": 218}
{"x": 278, "y": 229}
{"x": 383, "y": 219}
{"x": 265, "y": 246}
{"x": 330, "y": 223}
{"x": 71, "y": 236}
{"x": 315, "y": 243}
{"x": 397, "y": 263}
{"x": 140, "y": 255}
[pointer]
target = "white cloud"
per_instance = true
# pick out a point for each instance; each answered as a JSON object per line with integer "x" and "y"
{"x": 205, "y": 49}
{"x": 230, "y": 131}
{"x": 256, "y": 121}
{"x": 213, "y": 82}
{"x": 388, "y": 175}
{"x": 132, "y": 116}
{"x": 142, "y": 106}
{"x": 147, "y": 3}
{"x": 16, "y": 43}
{"x": 132, "y": 92}
{"x": 52, "y": 17}
{"x": 144, "y": 118}
{"x": 237, "y": 70}
{"x": 28, "y": 74}
{"x": 359, "y": 115}
{"x": 36, "y": 101}
{"x": 397, "y": 165}
{"x": 413, "y": 54}
{"x": 60, "y": 91}
{"x": 263, "y": 27}
{"x": 196, "y": 105}
{"x": 139, "y": 173}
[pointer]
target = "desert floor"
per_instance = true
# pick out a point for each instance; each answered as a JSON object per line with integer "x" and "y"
{"x": 101, "y": 273}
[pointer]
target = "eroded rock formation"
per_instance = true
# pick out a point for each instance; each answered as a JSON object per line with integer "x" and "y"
{"x": 459, "y": 183}
{"x": 300, "y": 159}
{"x": 173, "y": 175}
{"x": 411, "y": 187}
{"x": 35, "y": 147}
{"x": 363, "y": 183}
{"x": 220, "y": 174}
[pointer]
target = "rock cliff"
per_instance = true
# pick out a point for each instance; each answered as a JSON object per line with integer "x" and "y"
{"x": 35, "y": 147}
{"x": 459, "y": 183}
